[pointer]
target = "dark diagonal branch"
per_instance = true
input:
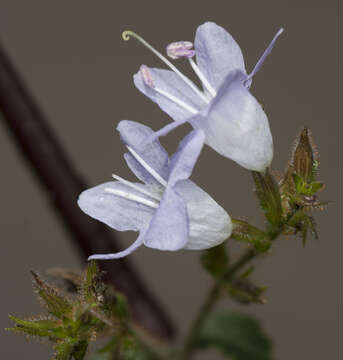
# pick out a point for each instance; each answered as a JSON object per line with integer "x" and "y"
{"x": 63, "y": 184}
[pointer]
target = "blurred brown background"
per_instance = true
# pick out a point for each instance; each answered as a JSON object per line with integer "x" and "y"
{"x": 71, "y": 55}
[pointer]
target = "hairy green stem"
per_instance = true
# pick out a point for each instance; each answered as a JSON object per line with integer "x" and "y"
{"x": 211, "y": 299}
{"x": 215, "y": 292}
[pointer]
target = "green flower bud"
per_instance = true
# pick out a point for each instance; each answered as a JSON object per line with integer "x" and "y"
{"x": 303, "y": 160}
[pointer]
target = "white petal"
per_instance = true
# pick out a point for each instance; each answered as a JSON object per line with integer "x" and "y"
{"x": 171, "y": 83}
{"x": 210, "y": 224}
{"x": 217, "y": 53}
{"x": 115, "y": 211}
{"x": 169, "y": 228}
{"x": 236, "y": 126}
{"x": 134, "y": 246}
{"x": 134, "y": 135}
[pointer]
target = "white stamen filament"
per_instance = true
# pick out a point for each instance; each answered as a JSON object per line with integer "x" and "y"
{"x": 137, "y": 188}
{"x": 177, "y": 101}
{"x": 147, "y": 167}
{"x": 132, "y": 197}
{"x": 126, "y": 36}
{"x": 201, "y": 76}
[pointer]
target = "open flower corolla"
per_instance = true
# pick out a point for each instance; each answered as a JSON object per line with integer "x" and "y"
{"x": 233, "y": 121}
{"x": 168, "y": 210}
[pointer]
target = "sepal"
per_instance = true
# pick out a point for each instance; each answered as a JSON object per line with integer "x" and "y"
{"x": 304, "y": 160}
{"x": 268, "y": 193}
{"x": 215, "y": 260}
{"x": 56, "y": 303}
{"x": 63, "y": 350}
{"x": 245, "y": 232}
{"x": 301, "y": 223}
{"x": 243, "y": 290}
{"x": 37, "y": 327}
{"x": 299, "y": 188}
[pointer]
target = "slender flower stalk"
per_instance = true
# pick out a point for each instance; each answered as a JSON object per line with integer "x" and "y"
{"x": 211, "y": 300}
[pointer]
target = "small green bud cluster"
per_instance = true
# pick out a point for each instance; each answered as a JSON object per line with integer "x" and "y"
{"x": 299, "y": 188}
{"x": 286, "y": 206}
{"x": 74, "y": 320}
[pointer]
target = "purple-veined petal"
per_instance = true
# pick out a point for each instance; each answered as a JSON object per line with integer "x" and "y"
{"x": 217, "y": 53}
{"x": 169, "y": 228}
{"x": 209, "y": 223}
{"x": 117, "y": 212}
{"x": 236, "y": 125}
{"x": 171, "y": 83}
{"x": 135, "y": 135}
{"x": 183, "y": 161}
{"x": 139, "y": 241}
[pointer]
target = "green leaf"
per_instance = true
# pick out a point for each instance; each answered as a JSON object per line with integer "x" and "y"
{"x": 287, "y": 190}
{"x": 79, "y": 350}
{"x": 68, "y": 350}
{"x": 268, "y": 193}
{"x": 101, "y": 356}
{"x": 246, "y": 274}
{"x": 107, "y": 352}
{"x": 56, "y": 303}
{"x": 300, "y": 185}
{"x": 41, "y": 328}
{"x": 76, "y": 321}
{"x": 120, "y": 307}
{"x": 302, "y": 222}
{"x": 90, "y": 284}
{"x": 215, "y": 260}
{"x": 63, "y": 351}
{"x": 304, "y": 188}
{"x": 245, "y": 291}
{"x": 125, "y": 348}
{"x": 315, "y": 187}
{"x": 129, "y": 349}
{"x": 236, "y": 335}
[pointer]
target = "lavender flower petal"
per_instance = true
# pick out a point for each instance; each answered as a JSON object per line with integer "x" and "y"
{"x": 217, "y": 53}
{"x": 165, "y": 130}
{"x": 209, "y": 223}
{"x": 134, "y": 135}
{"x": 134, "y": 246}
{"x": 161, "y": 214}
{"x": 236, "y": 125}
{"x": 263, "y": 58}
{"x": 117, "y": 212}
{"x": 183, "y": 161}
{"x": 169, "y": 228}
{"x": 171, "y": 83}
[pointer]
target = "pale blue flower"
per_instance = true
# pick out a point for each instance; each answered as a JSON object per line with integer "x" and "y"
{"x": 233, "y": 121}
{"x": 168, "y": 210}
